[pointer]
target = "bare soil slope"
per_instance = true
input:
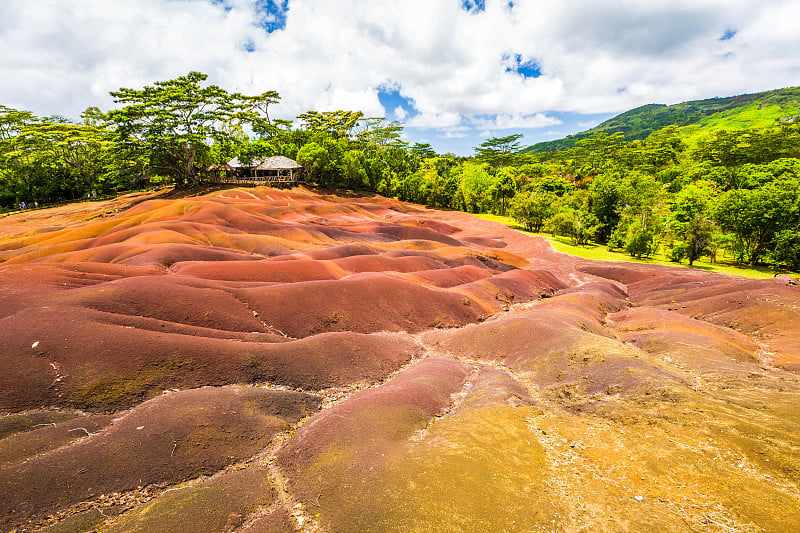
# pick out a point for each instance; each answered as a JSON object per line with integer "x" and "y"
{"x": 263, "y": 360}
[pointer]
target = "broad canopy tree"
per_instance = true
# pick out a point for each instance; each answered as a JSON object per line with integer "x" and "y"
{"x": 45, "y": 158}
{"x": 499, "y": 151}
{"x": 175, "y": 121}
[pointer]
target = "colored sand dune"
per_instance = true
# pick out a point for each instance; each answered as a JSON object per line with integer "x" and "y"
{"x": 261, "y": 360}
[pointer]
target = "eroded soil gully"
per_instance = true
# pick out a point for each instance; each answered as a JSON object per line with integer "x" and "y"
{"x": 303, "y": 512}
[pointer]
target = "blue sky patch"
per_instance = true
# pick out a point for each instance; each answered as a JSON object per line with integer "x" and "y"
{"x": 273, "y": 14}
{"x": 223, "y": 3}
{"x": 473, "y": 6}
{"x": 728, "y": 35}
{"x": 528, "y": 68}
{"x": 397, "y": 106}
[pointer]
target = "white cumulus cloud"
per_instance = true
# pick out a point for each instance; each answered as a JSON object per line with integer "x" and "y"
{"x": 458, "y": 68}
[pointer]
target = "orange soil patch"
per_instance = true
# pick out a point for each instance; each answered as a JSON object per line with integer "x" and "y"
{"x": 55, "y": 218}
{"x": 560, "y": 345}
{"x": 691, "y": 343}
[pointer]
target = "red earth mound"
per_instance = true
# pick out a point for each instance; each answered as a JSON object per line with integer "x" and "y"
{"x": 458, "y": 367}
{"x": 765, "y": 310}
{"x": 214, "y": 287}
{"x": 103, "y": 361}
{"x": 688, "y": 342}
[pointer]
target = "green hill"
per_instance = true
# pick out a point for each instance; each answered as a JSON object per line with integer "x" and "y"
{"x": 734, "y": 112}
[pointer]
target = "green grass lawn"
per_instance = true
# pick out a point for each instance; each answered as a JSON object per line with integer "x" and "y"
{"x": 601, "y": 253}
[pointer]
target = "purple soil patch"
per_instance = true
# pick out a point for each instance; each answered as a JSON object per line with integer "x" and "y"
{"x": 263, "y": 271}
{"x": 169, "y": 439}
{"x": 515, "y": 286}
{"x": 94, "y": 365}
{"x": 47, "y": 437}
{"x": 166, "y": 298}
{"x": 365, "y": 304}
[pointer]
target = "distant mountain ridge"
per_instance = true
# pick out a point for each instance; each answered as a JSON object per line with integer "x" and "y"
{"x": 733, "y": 112}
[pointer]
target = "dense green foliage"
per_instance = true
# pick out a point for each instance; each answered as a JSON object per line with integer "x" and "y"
{"x": 689, "y": 192}
{"x": 736, "y": 192}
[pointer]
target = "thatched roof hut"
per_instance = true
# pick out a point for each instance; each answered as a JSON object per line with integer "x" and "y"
{"x": 278, "y": 169}
{"x": 277, "y": 162}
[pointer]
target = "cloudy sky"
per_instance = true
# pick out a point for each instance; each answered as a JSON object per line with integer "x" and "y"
{"x": 453, "y": 72}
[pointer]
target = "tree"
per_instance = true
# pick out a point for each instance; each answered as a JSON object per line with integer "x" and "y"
{"x": 574, "y": 218}
{"x": 13, "y": 121}
{"x": 691, "y": 221}
{"x": 641, "y": 240}
{"x": 255, "y": 110}
{"x": 606, "y": 199}
{"x": 499, "y": 151}
{"x": 579, "y": 225}
{"x": 475, "y": 183}
{"x": 503, "y": 187}
{"x": 533, "y": 208}
{"x": 354, "y": 172}
{"x": 756, "y": 216}
{"x": 50, "y": 159}
{"x": 723, "y": 148}
{"x": 315, "y": 160}
{"x": 630, "y": 208}
{"x": 600, "y": 147}
{"x": 422, "y": 150}
{"x": 339, "y": 124}
{"x": 787, "y": 248}
{"x": 175, "y": 121}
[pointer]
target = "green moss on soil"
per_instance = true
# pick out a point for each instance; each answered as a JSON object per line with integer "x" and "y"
{"x": 219, "y": 504}
{"x": 18, "y": 423}
{"x": 480, "y": 470}
{"x": 113, "y": 393}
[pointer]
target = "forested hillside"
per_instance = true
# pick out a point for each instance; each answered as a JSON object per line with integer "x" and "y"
{"x": 743, "y": 111}
{"x": 713, "y": 189}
